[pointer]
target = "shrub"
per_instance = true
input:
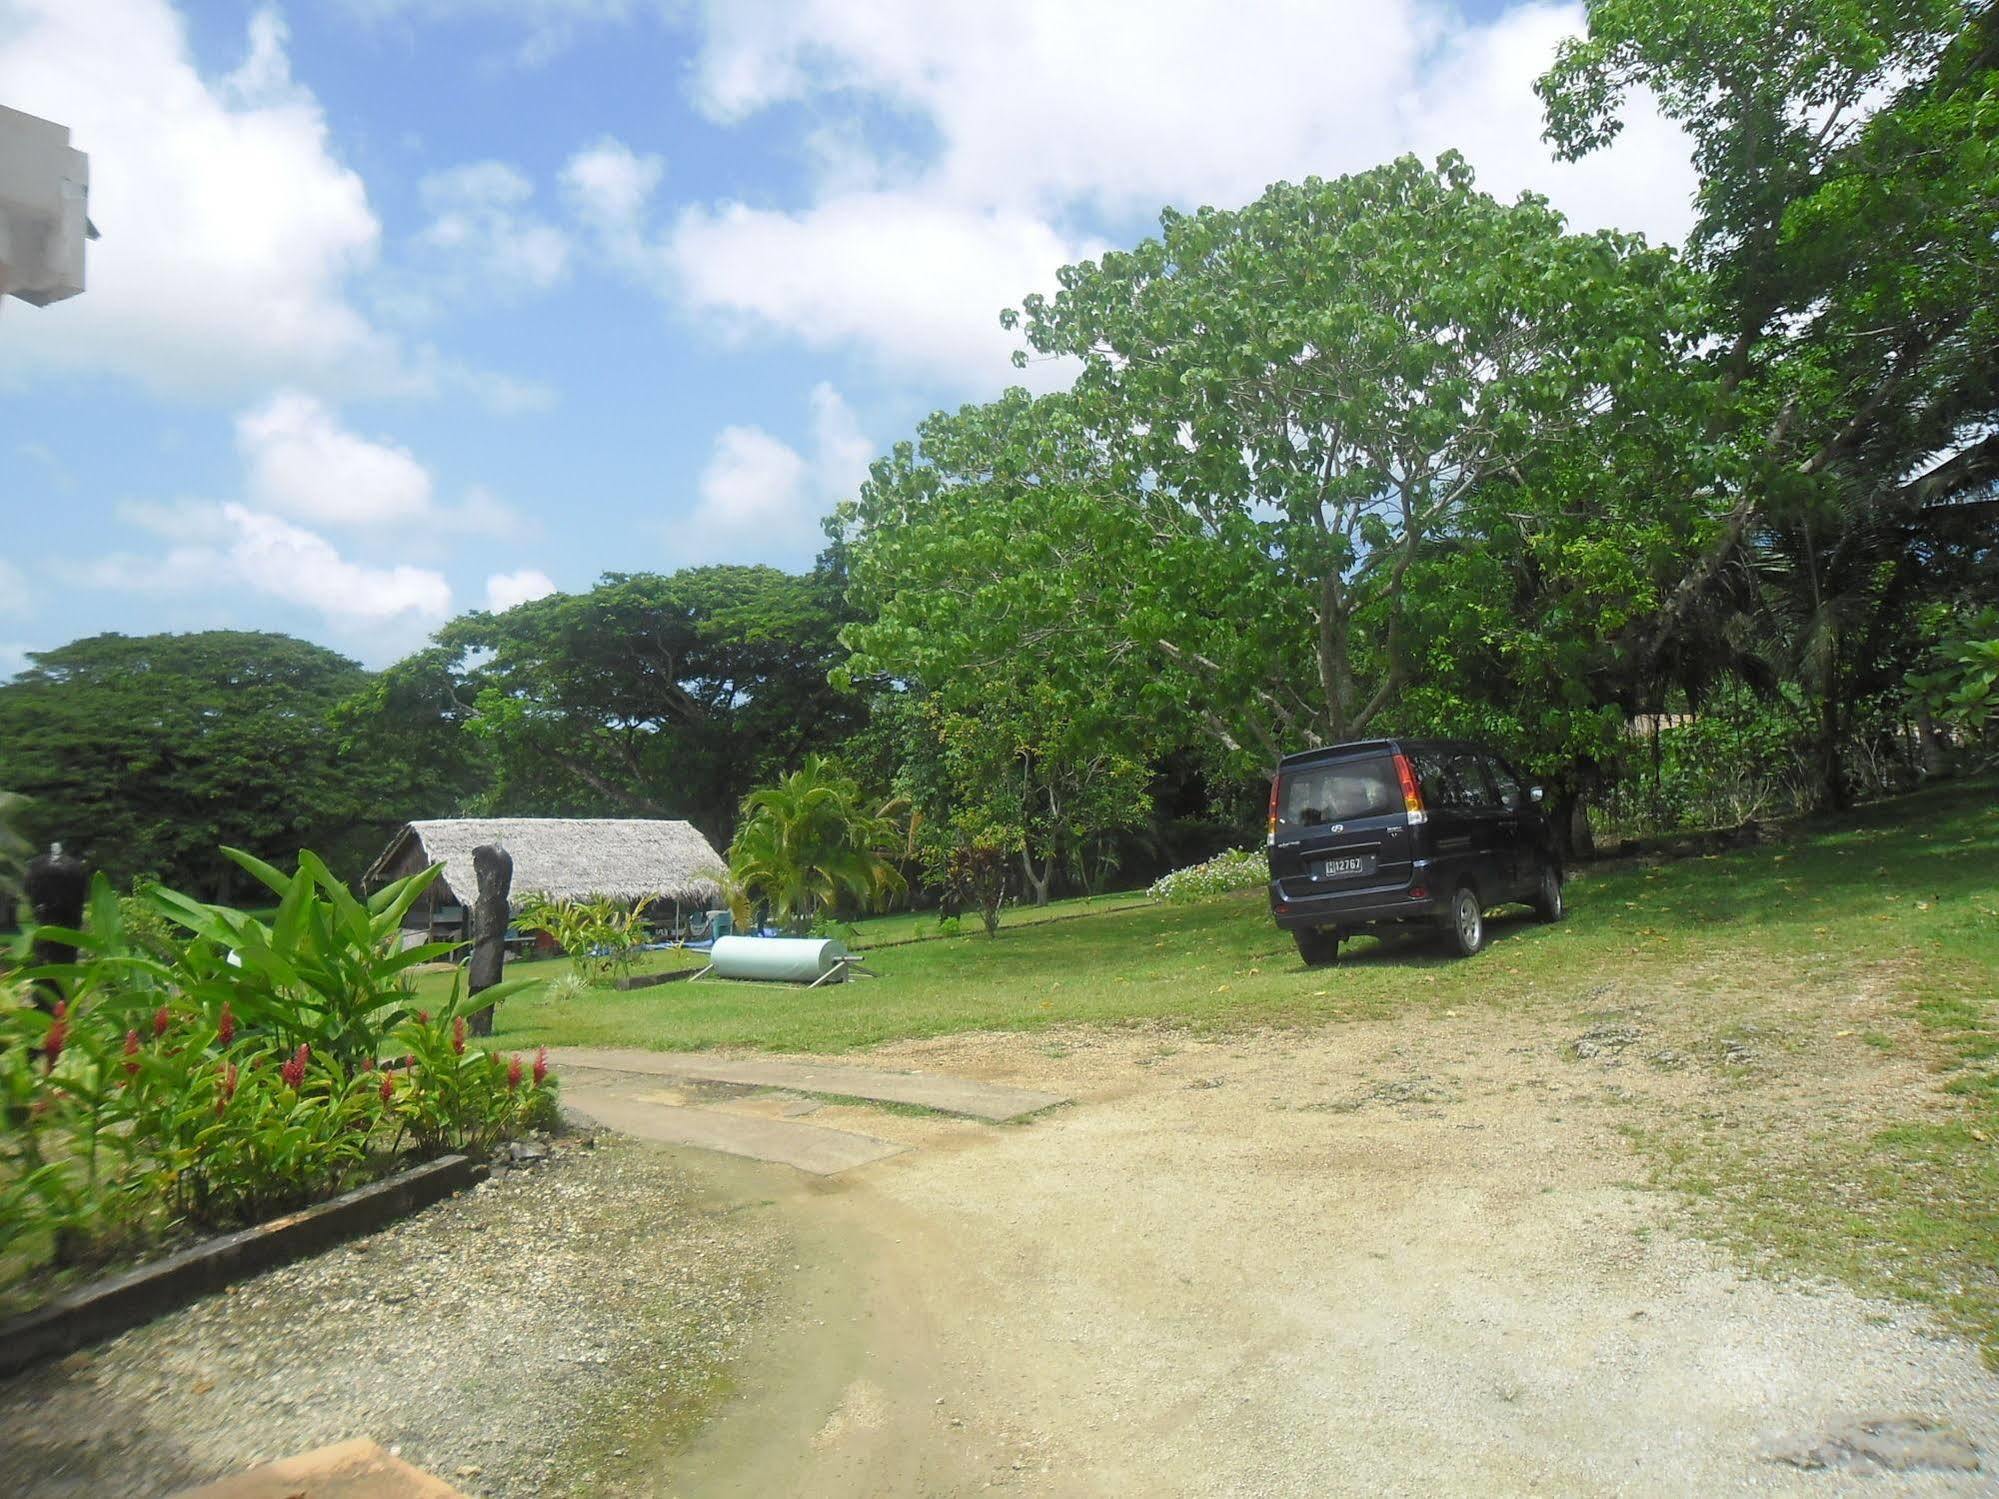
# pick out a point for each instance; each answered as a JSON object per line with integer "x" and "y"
{"x": 170, "y": 1085}
{"x": 601, "y": 937}
{"x": 1235, "y": 869}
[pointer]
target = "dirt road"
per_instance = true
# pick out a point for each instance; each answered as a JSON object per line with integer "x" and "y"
{"x": 1351, "y": 1261}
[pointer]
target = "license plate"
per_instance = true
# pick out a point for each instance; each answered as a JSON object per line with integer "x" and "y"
{"x": 1346, "y": 868}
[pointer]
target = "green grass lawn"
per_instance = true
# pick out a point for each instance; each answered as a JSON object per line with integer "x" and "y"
{"x": 1918, "y": 877}
{"x": 1897, "y": 904}
{"x": 919, "y": 926}
{"x": 434, "y": 986}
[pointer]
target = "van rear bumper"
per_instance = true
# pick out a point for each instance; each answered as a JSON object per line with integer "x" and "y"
{"x": 1296, "y": 913}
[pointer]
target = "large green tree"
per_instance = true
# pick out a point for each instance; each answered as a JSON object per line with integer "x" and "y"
{"x": 1848, "y": 228}
{"x": 1294, "y": 400}
{"x": 988, "y": 560}
{"x": 144, "y": 754}
{"x": 649, "y": 695}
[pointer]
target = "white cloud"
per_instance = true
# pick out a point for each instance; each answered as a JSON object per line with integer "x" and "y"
{"x": 506, "y": 590}
{"x": 917, "y": 282}
{"x": 481, "y": 222}
{"x": 299, "y": 461}
{"x": 761, "y": 498}
{"x": 230, "y": 228}
{"x": 1479, "y": 99}
{"x": 1048, "y": 113}
{"x": 231, "y": 546}
{"x": 841, "y": 452}
{"x": 609, "y": 187}
{"x": 301, "y": 567}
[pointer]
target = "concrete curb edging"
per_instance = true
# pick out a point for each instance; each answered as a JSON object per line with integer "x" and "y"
{"x": 651, "y": 980}
{"x": 109, "y": 1306}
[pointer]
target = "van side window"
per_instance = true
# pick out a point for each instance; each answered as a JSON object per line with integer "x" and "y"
{"x": 1511, "y": 796}
{"x": 1469, "y": 770}
{"x": 1442, "y": 783}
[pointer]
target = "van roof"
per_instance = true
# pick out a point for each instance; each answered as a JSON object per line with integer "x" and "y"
{"x": 1353, "y": 747}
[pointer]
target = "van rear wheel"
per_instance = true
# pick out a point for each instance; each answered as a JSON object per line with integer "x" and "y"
{"x": 1548, "y": 894}
{"x": 1315, "y": 947}
{"x": 1464, "y": 923}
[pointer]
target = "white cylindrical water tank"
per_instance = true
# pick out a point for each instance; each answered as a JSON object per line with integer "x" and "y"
{"x": 791, "y": 960}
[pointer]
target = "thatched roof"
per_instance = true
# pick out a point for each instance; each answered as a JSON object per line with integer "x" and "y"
{"x": 565, "y": 858}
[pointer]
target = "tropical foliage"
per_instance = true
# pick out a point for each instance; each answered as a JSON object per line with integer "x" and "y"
{"x": 211, "y": 1068}
{"x": 600, "y": 937}
{"x": 811, "y": 842}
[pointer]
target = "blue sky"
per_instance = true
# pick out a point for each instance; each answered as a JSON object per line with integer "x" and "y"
{"x": 408, "y": 307}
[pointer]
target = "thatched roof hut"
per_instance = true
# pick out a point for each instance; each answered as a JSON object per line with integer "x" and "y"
{"x": 564, "y": 858}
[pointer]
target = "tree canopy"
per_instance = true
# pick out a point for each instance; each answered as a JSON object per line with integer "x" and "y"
{"x": 144, "y": 754}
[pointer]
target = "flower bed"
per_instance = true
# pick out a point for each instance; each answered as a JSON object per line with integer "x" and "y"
{"x": 1233, "y": 869}
{"x": 199, "y": 1069}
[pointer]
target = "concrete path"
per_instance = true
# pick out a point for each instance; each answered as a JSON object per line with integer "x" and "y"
{"x": 947, "y": 1095}
{"x": 807, "y": 1147}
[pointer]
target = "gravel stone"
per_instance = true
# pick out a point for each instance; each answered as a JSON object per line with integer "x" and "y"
{"x": 506, "y": 1336}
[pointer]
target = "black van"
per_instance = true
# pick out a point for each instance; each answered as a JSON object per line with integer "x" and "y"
{"x": 1430, "y": 830}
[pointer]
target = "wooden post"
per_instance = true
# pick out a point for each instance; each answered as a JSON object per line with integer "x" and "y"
{"x": 55, "y": 886}
{"x": 494, "y": 867}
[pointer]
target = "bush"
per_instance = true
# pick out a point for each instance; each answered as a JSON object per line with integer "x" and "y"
{"x": 601, "y": 937}
{"x": 1236, "y": 869}
{"x": 169, "y": 1086}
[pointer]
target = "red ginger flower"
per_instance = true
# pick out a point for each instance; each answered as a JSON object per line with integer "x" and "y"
{"x": 131, "y": 1051}
{"x": 513, "y": 1072}
{"x": 161, "y": 1019}
{"x": 225, "y": 1027}
{"x": 367, "y": 1064}
{"x": 540, "y": 1066}
{"x": 228, "y": 1089}
{"x": 293, "y": 1072}
{"x": 458, "y": 1034}
{"x": 423, "y": 1017}
{"x": 388, "y": 1087}
{"x": 58, "y": 1033}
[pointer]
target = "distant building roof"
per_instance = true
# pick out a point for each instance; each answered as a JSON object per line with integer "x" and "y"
{"x": 564, "y": 858}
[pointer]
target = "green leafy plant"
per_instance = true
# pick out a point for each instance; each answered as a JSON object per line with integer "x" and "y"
{"x": 1962, "y": 689}
{"x": 811, "y": 841}
{"x": 600, "y": 936}
{"x": 203, "y": 1068}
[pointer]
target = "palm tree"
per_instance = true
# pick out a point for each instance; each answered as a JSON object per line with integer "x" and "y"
{"x": 811, "y": 841}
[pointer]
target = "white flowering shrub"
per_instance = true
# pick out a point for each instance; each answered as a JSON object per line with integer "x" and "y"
{"x": 1235, "y": 869}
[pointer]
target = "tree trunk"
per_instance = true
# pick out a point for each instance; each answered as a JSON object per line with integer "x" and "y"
{"x": 494, "y": 867}
{"x": 1929, "y": 748}
{"x": 1832, "y": 785}
{"x": 1038, "y": 883}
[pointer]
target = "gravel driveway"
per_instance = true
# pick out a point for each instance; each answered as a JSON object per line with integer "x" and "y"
{"x": 513, "y": 1340}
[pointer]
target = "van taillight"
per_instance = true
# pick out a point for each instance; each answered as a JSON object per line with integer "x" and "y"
{"x": 1412, "y": 795}
{"x": 1273, "y": 811}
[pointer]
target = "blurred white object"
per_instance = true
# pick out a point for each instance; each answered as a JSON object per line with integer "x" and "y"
{"x": 44, "y": 195}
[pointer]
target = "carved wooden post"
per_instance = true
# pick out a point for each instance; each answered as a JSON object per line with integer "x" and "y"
{"x": 494, "y": 867}
{"x": 55, "y": 887}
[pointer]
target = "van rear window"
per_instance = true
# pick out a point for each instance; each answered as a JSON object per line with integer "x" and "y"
{"x": 1315, "y": 795}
